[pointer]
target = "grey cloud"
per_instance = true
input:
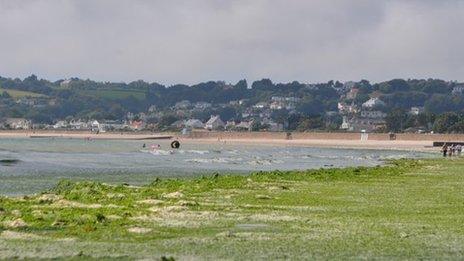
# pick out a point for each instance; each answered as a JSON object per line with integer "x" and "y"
{"x": 191, "y": 41}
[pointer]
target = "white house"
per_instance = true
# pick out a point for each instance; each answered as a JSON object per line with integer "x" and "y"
{"x": 214, "y": 123}
{"x": 152, "y": 109}
{"x": 372, "y": 103}
{"x": 458, "y": 89}
{"x": 416, "y": 110}
{"x": 260, "y": 105}
{"x": 18, "y": 123}
{"x": 96, "y": 126}
{"x": 60, "y": 125}
{"x": 79, "y": 125}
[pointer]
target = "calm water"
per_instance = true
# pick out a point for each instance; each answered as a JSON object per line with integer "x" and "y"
{"x": 43, "y": 162}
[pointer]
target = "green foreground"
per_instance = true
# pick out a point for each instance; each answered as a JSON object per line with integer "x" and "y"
{"x": 406, "y": 210}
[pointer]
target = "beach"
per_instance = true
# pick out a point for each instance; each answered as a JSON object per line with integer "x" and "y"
{"x": 408, "y": 142}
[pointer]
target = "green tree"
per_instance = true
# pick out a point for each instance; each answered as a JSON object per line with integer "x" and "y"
{"x": 445, "y": 122}
{"x": 396, "y": 120}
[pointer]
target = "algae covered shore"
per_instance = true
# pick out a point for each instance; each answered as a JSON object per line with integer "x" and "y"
{"x": 409, "y": 209}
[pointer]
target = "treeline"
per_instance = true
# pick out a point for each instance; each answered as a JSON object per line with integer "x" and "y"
{"x": 89, "y": 99}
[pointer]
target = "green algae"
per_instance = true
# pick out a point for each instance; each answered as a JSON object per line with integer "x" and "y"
{"x": 408, "y": 209}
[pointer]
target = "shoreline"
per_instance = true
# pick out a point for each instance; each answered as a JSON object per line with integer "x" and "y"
{"x": 318, "y": 140}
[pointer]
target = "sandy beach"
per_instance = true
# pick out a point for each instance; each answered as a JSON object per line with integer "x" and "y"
{"x": 415, "y": 145}
{"x": 274, "y": 139}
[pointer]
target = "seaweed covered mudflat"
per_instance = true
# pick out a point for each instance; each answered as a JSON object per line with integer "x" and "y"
{"x": 409, "y": 209}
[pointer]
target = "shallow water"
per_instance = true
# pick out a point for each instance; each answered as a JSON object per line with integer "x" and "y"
{"x": 43, "y": 162}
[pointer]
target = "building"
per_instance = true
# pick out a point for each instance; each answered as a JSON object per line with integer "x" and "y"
{"x": 260, "y": 105}
{"x": 230, "y": 125}
{"x": 202, "y": 105}
{"x": 60, "y": 125}
{"x": 357, "y": 124}
{"x": 373, "y": 114}
{"x": 458, "y": 89}
{"x": 95, "y": 126}
{"x": 345, "y": 124}
{"x": 373, "y": 103}
{"x": 352, "y": 94}
{"x": 152, "y": 109}
{"x": 17, "y": 123}
{"x": 214, "y": 123}
{"x": 277, "y": 99}
{"x": 115, "y": 125}
{"x": 277, "y": 105}
{"x": 416, "y": 110}
{"x": 194, "y": 124}
{"x": 183, "y": 104}
{"x": 137, "y": 125}
{"x": 65, "y": 83}
{"x": 79, "y": 125}
{"x": 345, "y": 108}
{"x": 244, "y": 125}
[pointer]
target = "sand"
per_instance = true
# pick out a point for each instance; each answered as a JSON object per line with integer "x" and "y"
{"x": 413, "y": 145}
{"x": 417, "y": 142}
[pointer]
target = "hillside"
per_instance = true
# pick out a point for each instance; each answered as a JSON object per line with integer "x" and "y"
{"x": 21, "y": 94}
{"x": 398, "y": 105}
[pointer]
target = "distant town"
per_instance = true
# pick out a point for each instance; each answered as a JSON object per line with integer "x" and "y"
{"x": 75, "y": 104}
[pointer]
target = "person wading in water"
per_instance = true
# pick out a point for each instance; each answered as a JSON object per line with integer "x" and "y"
{"x": 444, "y": 149}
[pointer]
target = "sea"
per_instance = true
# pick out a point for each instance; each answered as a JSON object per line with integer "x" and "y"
{"x": 32, "y": 165}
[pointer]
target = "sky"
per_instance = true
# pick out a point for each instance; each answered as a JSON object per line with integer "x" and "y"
{"x": 191, "y": 41}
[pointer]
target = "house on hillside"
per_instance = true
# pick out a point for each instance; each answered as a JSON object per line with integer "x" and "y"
{"x": 416, "y": 110}
{"x": 202, "y": 105}
{"x": 373, "y": 103}
{"x": 214, "y": 123}
{"x": 183, "y": 104}
{"x": 260, "y": 105}
{"x": 345, "y": 108}
{"x": 152, "y": 109}
{"x": 353, "y": 93}
{"x": 458, "y": 89}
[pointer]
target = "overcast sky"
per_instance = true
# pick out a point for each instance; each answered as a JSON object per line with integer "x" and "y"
{"x": 174, "y": 41}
